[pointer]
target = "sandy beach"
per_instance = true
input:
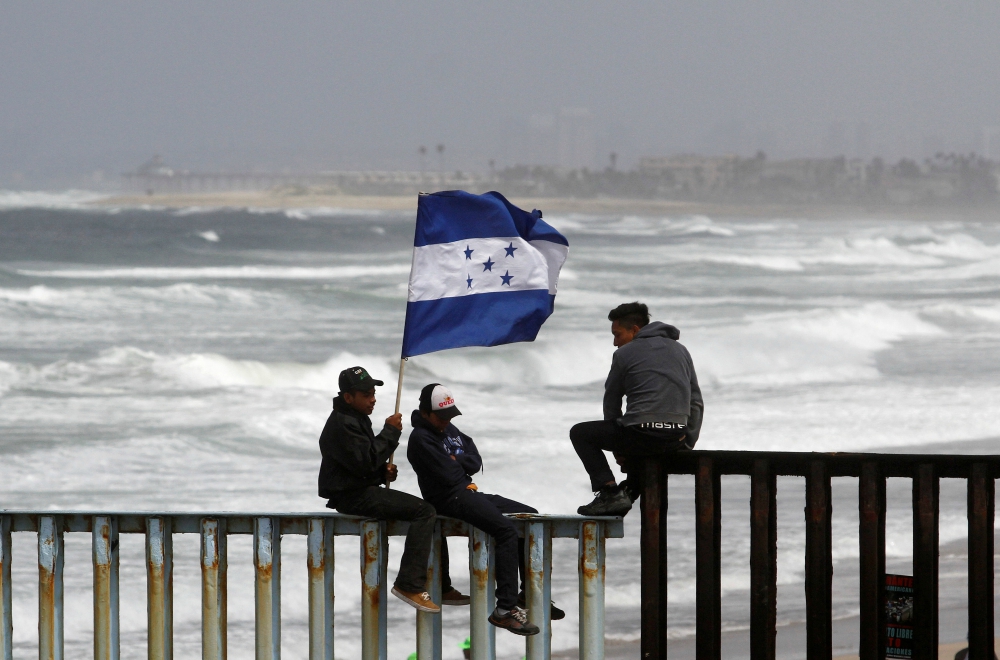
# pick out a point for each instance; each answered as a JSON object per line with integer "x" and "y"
{"x": 276, "y": 199}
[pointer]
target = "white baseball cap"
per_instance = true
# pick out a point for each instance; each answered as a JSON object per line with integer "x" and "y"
{"x": 439, "y": 400}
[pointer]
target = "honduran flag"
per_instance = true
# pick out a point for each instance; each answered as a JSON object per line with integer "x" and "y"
{"x": 484, "y": 273}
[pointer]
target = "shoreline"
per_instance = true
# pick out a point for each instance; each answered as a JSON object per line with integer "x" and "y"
{"x": 596, "y": 206}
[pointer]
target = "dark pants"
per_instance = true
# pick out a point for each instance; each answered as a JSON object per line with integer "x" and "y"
{"x": 592, "y": 439}
{"x": 486, "y": 513}
{"x": 386, "y": 504}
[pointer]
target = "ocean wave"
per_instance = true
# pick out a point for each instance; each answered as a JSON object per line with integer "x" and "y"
{"x": 331, "y": 212}
{"x": 69, "y": 199}
{"x": 102, "y": 299}
{"x": 224, "y": 272}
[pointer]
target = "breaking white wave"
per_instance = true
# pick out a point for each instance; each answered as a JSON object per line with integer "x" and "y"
{"x": 224, "y": 272}
{"x": 68, "y": 200}
{"x": 331, "y": 212}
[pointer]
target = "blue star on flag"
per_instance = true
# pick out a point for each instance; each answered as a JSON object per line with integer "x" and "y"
{"x": 510, "y": 249}
{"x": 488, "y": 265}
{"x": 468, "y": 252}
{"x": 469, "y": 281}
{"x": 506, "y": 277}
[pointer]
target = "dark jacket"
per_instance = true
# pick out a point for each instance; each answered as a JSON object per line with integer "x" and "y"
{"x": 657, "y": 375}
{"x": 353, "y": 456}
{"x": 429, "y": 452}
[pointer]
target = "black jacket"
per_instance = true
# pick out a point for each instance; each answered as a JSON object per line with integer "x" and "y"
{"x": 656, "y": 374}
{"x": 353, "y": 456}
{"x": 429, "y": 452}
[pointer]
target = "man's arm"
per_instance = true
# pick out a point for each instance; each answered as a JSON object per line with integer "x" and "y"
{"x": 360, "y": 455}
{"x": 697, "y": 411}
{"x": 470, "y": 460}
{"x": 430, "y": 460}
{"x": 614, "y": 390}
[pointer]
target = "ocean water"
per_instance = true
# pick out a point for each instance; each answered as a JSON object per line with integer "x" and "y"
{"x": 156, "y": 359}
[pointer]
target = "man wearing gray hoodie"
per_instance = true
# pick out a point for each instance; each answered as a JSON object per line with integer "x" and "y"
{"x": 664, "y": 409}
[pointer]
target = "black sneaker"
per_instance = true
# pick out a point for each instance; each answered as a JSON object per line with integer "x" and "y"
{"x": 554, "y": 612}
{"x": 610, "y": 501}
{"x": 516, "y": 621}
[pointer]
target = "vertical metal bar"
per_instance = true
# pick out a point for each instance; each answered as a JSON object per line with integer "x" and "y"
{"x": 871, "y": 541}
{"x": 160, "y": 588}
{"x": 383, "y": 596}
{"x": 538, "y": 596}
{"x": 763, "y": 561}
{"x": 481, "y": 589}
{"x": 708, "y": 640}
{"x": 925, "y": 562}
{"x": 654, "y": 565}
{"x": 267, "y": 587}
{"x": 321, "y": 595}
{"x": 591, "y": 590}
{"x": 6, "y": 618}
{"x": 819, "y": 564}
{"x": 429, "y": 624}
{"x": 981, "y": 512}
{"x": 373, "y": 636}
{"x": 50, "y": 588}
{"x": 213, "y": 589}
{"x": 106, "y": 618}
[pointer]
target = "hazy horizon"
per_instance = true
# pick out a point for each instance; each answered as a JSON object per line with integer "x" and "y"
{"x": 99, "y": 88}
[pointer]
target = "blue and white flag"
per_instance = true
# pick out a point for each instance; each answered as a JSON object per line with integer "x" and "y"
{"x": 484, "y": 273}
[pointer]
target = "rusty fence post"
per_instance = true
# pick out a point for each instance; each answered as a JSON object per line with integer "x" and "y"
{"x": 373, "y": 591}
{"x": 267, "y": 587}
{"x": 429, "y": 624}
{"x": 819, "y": 563}
{"x": 538, "y": 556}
{"x": 107, "y": 642}
{"x": 981, "y": 489}
{"x": 482, "y": 635}
{"x": 50, "y": 588}
{"x": 925, "y": 562}
{"x": 160, "y": 588}
{"x": 320, "y": 563}
{"x": 708, "y": 537}
{"x": 213, "y": 589}
{"x": 591, "y": 590}
{"x": 653, "y": 538}
{"x": 871, "y": 546}
{"x": 763, "y": 561}
{"x": 6, "y": 601}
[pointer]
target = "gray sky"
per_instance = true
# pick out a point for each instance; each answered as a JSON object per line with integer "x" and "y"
{"x": 104, "y": 85}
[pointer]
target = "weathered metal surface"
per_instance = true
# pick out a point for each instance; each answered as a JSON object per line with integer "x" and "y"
{"x": 267, "y": 588}
{"x": 50, "y": 588}
{"x": 213, "y": 589}
{"x": 482, "y": 635}
{"x": 981, "y": 488}
{"x": 871, "y": 545}
{"x": 429, "y": 624}
{"x": 538, "y": 588}
{"x": 107, "y": 643}
{"x": 320, "y": 563}
{"x": 591, "y": 571}
{"x": 819, "y": 564}
{"x": 653, "y": 539}
{"x": 6, "y": 615}
{"x": 763, "y": 561}
{"x": 925, "y": 562}
{"x": 373, "y": 634}
{"x": 160, "y": 588}
{"x": 708, "y": 540}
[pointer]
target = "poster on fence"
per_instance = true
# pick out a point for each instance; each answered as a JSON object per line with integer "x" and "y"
{"x": 898, "y": 616}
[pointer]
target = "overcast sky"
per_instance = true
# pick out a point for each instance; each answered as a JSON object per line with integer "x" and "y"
{"x": 304, "y": 85}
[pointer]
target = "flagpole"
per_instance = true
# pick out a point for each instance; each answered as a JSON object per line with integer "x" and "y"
{"x": 399, "y": 396}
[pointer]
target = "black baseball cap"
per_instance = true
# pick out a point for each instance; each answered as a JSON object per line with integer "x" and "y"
{"x": 357, "y": 378}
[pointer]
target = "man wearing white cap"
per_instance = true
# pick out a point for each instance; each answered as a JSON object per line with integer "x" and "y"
{"x": 445, "y": 459}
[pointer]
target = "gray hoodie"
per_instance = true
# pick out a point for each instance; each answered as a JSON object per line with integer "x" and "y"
{"x": 657, "y": 375}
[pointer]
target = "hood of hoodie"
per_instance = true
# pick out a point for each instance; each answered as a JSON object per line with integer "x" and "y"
{"x": 658, "y": 329}
{"x": 417, "y": 421}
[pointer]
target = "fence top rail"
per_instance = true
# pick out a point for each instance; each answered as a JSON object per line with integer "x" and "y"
{"x": 837, "y": 464}
{"x": 242, "y": 522}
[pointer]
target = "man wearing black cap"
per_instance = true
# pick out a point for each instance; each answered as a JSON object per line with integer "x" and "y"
{"x": 445, "y": 459}
{"x": 355, "y": 465}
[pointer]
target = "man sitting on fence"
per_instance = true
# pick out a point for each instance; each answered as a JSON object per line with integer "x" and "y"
{"x": 355, "y": 466}
{"x": 664, "y": 411}
{"x": 445, "y": 459}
